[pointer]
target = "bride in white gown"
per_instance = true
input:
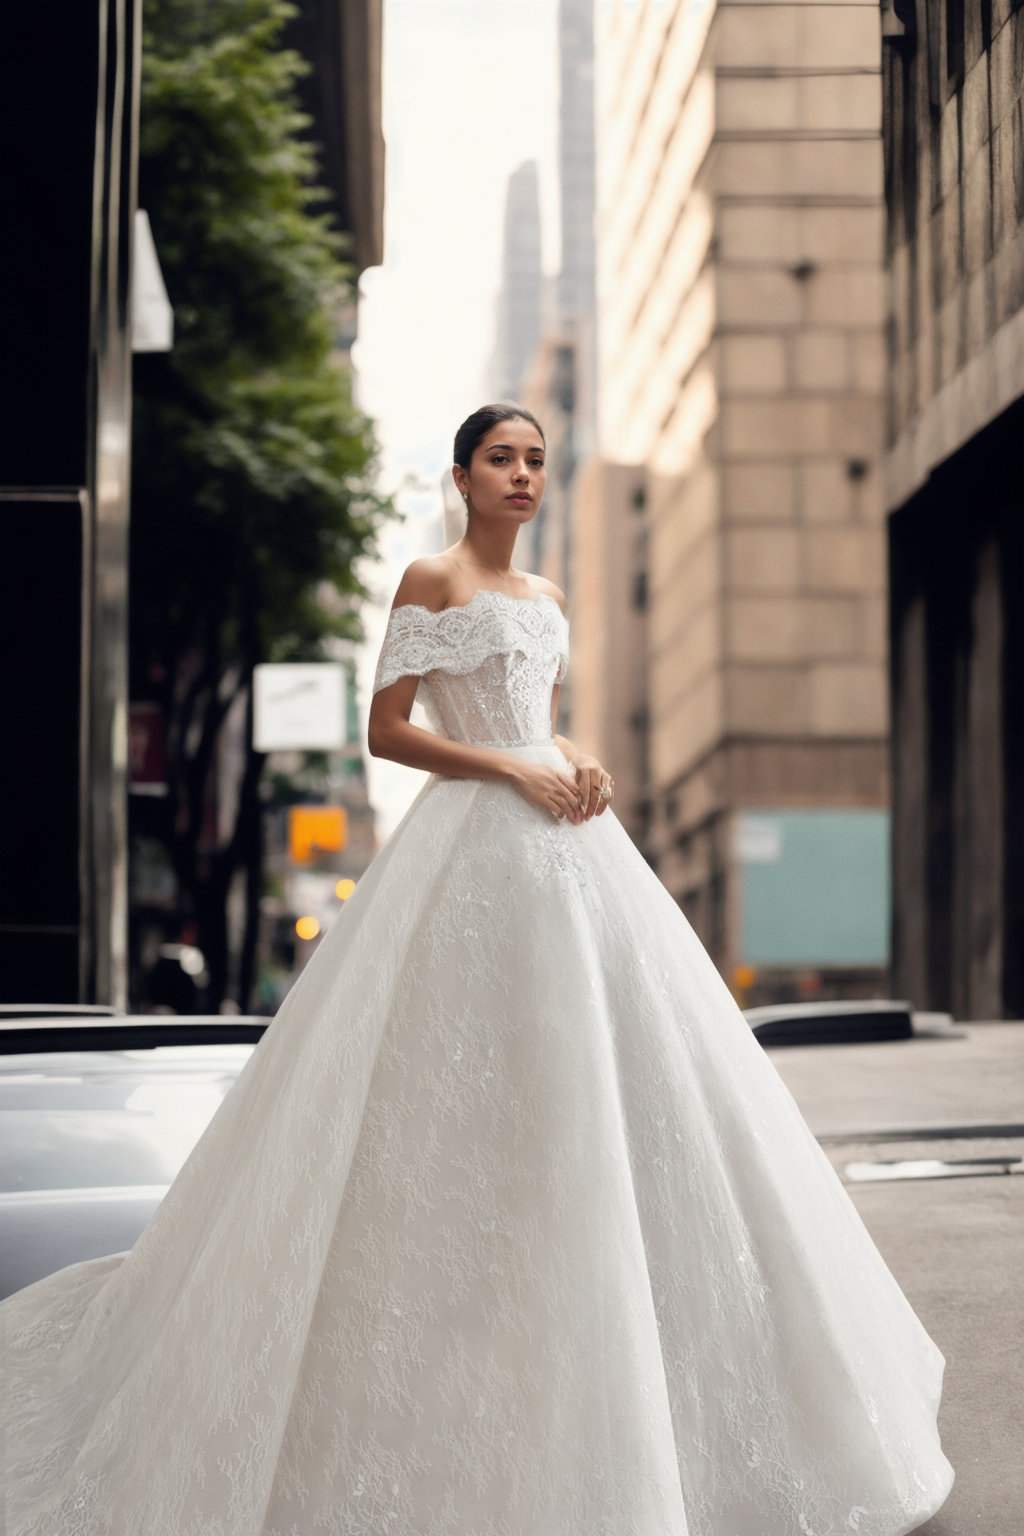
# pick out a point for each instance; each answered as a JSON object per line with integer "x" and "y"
{"x": 509, "y": 1227}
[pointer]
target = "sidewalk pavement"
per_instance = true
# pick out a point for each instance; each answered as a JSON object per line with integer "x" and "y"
{"x": 956, "y": 1245}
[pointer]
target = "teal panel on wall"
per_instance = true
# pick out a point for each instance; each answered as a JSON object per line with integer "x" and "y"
{"x": 815, "y": 887}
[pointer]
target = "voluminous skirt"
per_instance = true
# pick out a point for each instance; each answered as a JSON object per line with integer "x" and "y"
{"x": 509, "y": 1228}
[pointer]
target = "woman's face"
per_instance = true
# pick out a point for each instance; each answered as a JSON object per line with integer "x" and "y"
{"x": 506, "y": 476}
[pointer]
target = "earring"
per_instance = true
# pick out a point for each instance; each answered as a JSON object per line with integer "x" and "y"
{"x": 465, "y": 497}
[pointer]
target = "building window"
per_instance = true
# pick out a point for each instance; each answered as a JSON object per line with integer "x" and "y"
{"x": 564, "y": 386}
{"x": 954, "y": 44}
{"x": 899, "y": 69}
{"x": 640, "y": 569}
{"x": 945, "y": 20}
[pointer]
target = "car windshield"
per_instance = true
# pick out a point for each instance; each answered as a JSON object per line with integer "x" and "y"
{"x": 93, "y": 1119}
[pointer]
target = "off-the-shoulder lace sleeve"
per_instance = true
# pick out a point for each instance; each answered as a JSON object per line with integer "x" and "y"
{"x": 458, "y": 640}
{"x": 413, "y": 645}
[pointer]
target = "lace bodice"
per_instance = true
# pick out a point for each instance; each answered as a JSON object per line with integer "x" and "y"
{"x": 487, "y": 667}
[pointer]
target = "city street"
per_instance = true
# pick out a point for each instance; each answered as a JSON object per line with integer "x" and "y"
{"x": 956, "y": 1245}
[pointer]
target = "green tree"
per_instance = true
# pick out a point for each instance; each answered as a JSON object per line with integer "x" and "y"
{"x": 253, "y": 471}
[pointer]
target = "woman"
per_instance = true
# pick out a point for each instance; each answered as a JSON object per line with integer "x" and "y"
{"x": 509, "y": 1227}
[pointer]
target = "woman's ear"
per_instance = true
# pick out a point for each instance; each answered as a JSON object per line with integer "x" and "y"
{"x": 461, "y": 478}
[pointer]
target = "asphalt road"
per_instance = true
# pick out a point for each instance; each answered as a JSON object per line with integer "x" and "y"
{"x": 956, "y": 1245}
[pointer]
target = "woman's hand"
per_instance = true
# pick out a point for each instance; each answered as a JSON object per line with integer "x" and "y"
{"x": 594, "y": 784}
{"x": 548, "y": 789}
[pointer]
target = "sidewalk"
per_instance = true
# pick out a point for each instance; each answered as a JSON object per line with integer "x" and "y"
{"x": 956, "y": 1245}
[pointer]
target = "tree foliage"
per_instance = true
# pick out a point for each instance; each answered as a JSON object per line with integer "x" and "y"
{"x": 253, "y": 471}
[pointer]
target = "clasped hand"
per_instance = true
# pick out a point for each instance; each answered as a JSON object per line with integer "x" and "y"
{"x": 577, "y": 793}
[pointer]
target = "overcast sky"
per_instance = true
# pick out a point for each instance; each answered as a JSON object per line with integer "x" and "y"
{"x": 470, "y": 92}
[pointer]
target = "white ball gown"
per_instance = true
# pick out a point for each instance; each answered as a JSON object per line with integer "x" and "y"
{"x": 508, "y": 1228}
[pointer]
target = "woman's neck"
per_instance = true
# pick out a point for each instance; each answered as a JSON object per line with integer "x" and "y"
{"x": 489, "y": 552}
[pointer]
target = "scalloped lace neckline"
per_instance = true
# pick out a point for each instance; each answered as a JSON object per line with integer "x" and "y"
{"x": 534, "y": 602}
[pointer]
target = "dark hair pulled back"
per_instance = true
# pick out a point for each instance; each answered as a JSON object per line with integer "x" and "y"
{"x": 476, "y": 427}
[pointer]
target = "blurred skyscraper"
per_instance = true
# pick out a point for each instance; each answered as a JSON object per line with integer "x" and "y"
{"x": 577, "y": 300}
{"x": 729, "y": 568}
{"x": 559, "y": 382}
{"x": 519, "y": 302}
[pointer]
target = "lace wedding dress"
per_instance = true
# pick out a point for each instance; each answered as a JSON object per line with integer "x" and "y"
{"x": 509, "y": 1227}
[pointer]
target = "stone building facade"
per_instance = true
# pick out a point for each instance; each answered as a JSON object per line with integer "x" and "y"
{"x": 953, "y": 78}
{"x": 732, "y": 526}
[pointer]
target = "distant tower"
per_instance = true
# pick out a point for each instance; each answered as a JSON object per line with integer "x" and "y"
{"x": 576, "y": 282}
{"x": 561, "y": 381}
{"x": 519, "y": 304}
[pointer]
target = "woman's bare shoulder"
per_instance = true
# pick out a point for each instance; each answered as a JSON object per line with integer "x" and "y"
{"x": 427, "y": 583}
{"x": 545, "y": 588}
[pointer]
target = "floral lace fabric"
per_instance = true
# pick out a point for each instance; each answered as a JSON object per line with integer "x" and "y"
{"x": 487, "y": 667}
{"x": 509, "y": 1228}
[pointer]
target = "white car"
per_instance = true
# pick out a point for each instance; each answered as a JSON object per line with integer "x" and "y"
{"x": 97, "y": 1114}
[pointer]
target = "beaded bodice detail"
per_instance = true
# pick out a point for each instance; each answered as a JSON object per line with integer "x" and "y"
{"x": 487, "y": 668}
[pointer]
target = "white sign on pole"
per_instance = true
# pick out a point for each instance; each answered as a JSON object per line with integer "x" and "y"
{"x": 152, "y": 315}
{"x": 758, "y": 840}
{"x": 299, "y": 707}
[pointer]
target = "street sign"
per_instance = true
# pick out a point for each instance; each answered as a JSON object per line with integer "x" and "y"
{"x": 152, "y": 315}
{"x": 299, "y": 707}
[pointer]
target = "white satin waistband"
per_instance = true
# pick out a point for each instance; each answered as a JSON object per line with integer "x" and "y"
{"x": 539, "y": 751}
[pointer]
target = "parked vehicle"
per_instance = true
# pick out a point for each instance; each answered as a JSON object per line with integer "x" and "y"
{"x": 97, "y": 1114}
{"x": 834, "y": 1023}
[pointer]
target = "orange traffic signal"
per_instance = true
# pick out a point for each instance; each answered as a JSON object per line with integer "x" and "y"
{"x": 314, "y": 829}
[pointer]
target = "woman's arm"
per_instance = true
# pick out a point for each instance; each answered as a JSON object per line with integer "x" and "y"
{"x": 392, "y": 735}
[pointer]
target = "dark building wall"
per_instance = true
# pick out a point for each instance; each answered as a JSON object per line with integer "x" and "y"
{"x": 41, "y": 621}
{"x": 957, "y": 558}
{"x": 69, "y": 101}
{"x": 954, "y": 150}
{"x": 45, "y": 256}
{"x": 341, "y": 41}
